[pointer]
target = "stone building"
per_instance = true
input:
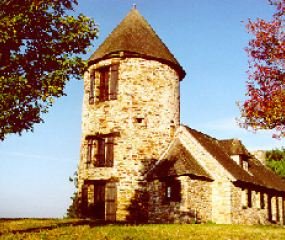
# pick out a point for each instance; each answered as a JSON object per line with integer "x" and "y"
{"x": 139, "y": 164}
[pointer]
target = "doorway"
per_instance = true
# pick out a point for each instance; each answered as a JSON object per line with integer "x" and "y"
{"x": 100, "y": 199}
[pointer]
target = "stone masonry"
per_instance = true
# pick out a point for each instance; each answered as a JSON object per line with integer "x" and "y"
{"x": 144, "y": 87}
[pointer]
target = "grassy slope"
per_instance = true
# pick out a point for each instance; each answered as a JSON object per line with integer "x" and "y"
{"x": 67, "y": 229}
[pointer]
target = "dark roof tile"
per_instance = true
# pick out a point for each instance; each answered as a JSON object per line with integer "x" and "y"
{"x": 258, "y": 173}
{"x": 179, "y": 162}
{"x": 135, "y": 36}
{"x": 233, "y": 147}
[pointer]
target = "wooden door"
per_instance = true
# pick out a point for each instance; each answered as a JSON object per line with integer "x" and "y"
{"x": 99, "y": 201}
{"x": 111, "y": 201}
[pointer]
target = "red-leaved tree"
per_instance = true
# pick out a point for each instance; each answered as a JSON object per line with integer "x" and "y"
{"x": 265, "y": 106}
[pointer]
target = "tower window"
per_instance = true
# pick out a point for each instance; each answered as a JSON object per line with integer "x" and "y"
{"x": 108, "y": 85}
{"x": 139, "y": 120}
{"x": 172, "y": 129}
{"x": 100, "y": 150}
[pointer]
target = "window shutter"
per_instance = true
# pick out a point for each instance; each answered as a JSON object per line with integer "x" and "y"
{"x": 114, "y": 82}
{"x": 89, "y": 150}
{"x": 104, "y": 86}
{"x": 92, "y": 87}
{"x": 111, "y": 206}
{"x": 110, "y": 152}
{"x": 106, "y": 89}
{"x": 101, "y": 152}
{"x": 94, "y": 159}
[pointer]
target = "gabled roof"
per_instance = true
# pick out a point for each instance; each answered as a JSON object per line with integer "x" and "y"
{"x": 213, "y": 146}
{"x": 233, "y": 147}
{"x": 257, "y": 173}
{"x": 178, "y": 162}
{"x": 135, "y": 37}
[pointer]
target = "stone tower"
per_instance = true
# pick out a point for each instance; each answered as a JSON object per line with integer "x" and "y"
{"x": 131, "y": 109}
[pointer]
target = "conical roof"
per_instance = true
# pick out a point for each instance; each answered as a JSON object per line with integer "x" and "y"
{"x": 135, "y": 37}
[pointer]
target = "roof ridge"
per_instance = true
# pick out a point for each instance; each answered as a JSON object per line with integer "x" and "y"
{"x": 204, "y": 134}
{"x": 261, "y": 175}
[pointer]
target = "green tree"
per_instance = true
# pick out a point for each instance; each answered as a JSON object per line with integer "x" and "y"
{"x": 41, "y": 42}
{"x": 75, "y": 208}
{"x": 275, "y": 159}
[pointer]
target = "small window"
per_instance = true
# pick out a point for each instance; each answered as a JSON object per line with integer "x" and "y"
{"x": 172, "y": 129}
{"x": 100, "y": 151}
{"x": 139, "y": 120}
{"x": 172, "y": 190}
{"x": 108, "y": 85}
{"x": 243, "y": 162}
{"x": 168, "y": 192}
{"x": 245, "y": 165}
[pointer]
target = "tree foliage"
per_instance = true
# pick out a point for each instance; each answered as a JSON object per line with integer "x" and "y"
{"x": 40, "y": 45}
{"x": 75, "y": 208}
{"x": 275, "y": 159}
{"x": 264, "y": 108}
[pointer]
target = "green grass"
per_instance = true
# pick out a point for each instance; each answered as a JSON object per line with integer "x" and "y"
{"x": 75, "y": 229}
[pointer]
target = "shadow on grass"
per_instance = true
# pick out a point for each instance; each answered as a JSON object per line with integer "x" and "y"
{"x": 91, "y": 223}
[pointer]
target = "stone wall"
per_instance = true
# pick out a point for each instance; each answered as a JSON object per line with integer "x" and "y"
{"x": 242, "y": 214}
{"x": 221, "y": 187}
{"x": 147, "y": 90}
{"x": 221, "y": 202}
{"x": 256, "y": 213}
{"x": 194, "y": 207}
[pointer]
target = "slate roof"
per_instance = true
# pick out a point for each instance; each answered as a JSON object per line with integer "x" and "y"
{"x": 258, "y": 174}
{"x": 134, "y": 36}
{"x": 179, "y": 162}
{"x": 233, "y": 147}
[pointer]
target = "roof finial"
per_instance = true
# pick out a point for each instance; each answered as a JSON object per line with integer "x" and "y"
{"x": 134, "y": 6}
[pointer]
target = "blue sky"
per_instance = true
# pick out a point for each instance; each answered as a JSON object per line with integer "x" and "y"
{"x": 207, "y": 37}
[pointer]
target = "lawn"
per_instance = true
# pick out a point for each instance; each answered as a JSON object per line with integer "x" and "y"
{"x": 77, "y": 229}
